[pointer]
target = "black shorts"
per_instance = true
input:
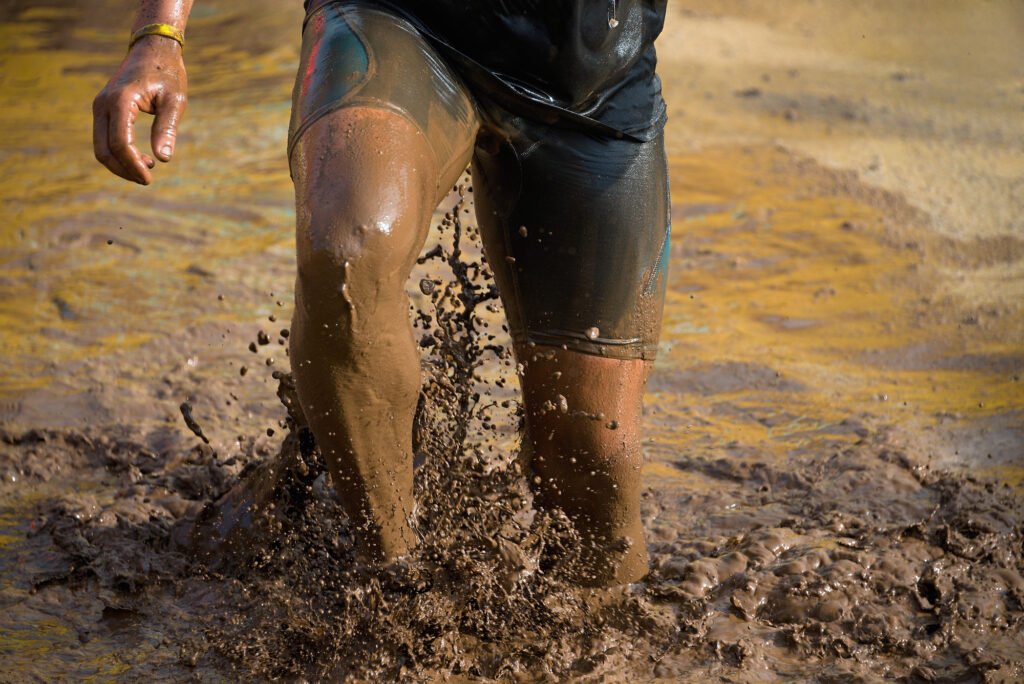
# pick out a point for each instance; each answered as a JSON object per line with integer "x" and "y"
{"x": 575, "y": 219}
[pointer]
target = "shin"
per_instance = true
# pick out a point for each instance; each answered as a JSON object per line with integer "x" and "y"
{"x": 583, "y": 432}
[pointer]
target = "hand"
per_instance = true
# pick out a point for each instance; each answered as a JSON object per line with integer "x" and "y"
{"x": 151, "y": 79}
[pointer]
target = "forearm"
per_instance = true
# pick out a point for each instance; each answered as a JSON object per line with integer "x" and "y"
{"x": 173, "y": 12}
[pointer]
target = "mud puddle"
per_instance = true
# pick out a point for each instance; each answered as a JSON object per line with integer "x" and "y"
{"x": 849, "y": 556}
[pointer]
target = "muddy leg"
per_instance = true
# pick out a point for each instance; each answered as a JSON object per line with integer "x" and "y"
{"x": 365, "y": 186}
{"x": 583, "y": 431}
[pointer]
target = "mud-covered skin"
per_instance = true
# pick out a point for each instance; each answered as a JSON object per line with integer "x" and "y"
{"x": 583, "y": 440}
{"x": 365, "y": 185}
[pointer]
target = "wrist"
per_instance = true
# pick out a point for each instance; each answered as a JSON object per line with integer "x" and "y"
{"x": 157, "y": 33}
{"x": 156, "y": 45}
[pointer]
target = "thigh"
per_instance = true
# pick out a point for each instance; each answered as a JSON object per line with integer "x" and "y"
{"x": 355, "y": 56}
{"x": 577, "y": 230}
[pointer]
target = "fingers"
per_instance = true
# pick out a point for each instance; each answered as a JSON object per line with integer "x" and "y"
{"x": 121, "y": 139}
{"x": 145, "y": 82}
{"x": 113, "y": 136}
{"x": 169, "y": 110}
{"x": 100, "y": 142}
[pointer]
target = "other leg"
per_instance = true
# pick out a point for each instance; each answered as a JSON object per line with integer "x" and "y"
{"x": 576, "y": 228}
{"x": 583, "y": 417}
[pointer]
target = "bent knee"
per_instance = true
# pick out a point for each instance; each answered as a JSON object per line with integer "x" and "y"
{"x": 350, "y": 261}
{"x": 356, "y": 147}
{"x": 363, "y": 198}
{"x": 330, "y": 245}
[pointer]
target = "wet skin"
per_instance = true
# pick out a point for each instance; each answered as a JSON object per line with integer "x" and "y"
{"x": 365, "y": 187}
{"x": 366, "y": 184}
{"x": 151, "y": 79}
{"x": 585, "y": 453}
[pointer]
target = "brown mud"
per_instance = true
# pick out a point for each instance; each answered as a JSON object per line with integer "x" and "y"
{"x": 834, "y": 449}
{"x": 856, "y": 561}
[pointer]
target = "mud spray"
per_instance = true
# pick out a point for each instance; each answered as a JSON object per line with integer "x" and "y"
{"x": 858, "y": 564}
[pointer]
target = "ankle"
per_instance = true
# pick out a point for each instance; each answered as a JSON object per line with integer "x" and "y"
{"x": 604, "y": 562}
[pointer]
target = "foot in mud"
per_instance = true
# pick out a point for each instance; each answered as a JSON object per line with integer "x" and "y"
{"x": 257, "y": 505}
{"x": 217, "y": 527}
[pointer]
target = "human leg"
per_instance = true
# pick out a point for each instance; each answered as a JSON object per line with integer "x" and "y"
{"x": 368, "y": 174}
{"x": 583, "y": 435}
{"x": 365, "y": 184}
{"x": 576, "y": 230}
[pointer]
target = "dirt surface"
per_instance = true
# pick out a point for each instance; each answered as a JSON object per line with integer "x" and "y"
{"x": 834, "y": 431}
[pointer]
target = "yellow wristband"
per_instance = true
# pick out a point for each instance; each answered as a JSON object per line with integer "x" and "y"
{"x": 165, "y": 30}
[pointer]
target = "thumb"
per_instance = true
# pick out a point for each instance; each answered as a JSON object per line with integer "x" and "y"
{"x": 165, "y": 125}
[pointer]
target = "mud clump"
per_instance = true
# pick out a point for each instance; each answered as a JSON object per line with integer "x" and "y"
{"x": 859, "y": 563}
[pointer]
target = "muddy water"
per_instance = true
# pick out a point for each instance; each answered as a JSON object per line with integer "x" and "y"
{"x": 842, "y": 328}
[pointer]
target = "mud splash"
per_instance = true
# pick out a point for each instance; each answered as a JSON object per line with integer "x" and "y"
{"x": 484, "y": 594}
{"x": 861, "y": 561}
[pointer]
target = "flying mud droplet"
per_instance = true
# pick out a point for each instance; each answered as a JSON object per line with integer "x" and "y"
{"x": 242, "y": 371}
{"x": 563, "y": 404}
{"x": 262, "y": 338}
{"x": 612, "y": 425}
{"x": 592, "y": 333}
{"x": 186, "y": 413}
{"x": 613, "y": 22}
{"x": 426, "y": 286}
{"x": 523, "y": 231}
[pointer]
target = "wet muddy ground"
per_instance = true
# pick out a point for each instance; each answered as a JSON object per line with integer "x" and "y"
{"x": 834, "y": 431}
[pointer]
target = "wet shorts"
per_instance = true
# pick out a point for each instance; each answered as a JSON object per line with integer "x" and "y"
{"x": 575, "y": 221}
